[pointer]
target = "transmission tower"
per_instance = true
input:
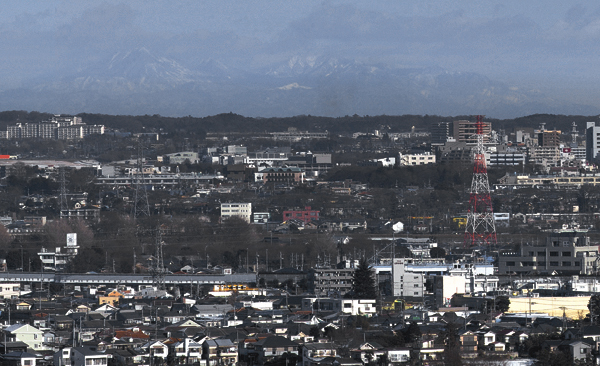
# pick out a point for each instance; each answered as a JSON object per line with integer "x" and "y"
{"x": 480, "y": 228}
{"x": 158, "y": 270}
{"x": 63, "y": 193}
{"x": 140, "y": 204}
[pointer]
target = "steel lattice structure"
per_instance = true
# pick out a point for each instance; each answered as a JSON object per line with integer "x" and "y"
{"x": 64, "y": 205}
{"x": 140, "y": 204}
{"x": 480, "y": 228}
{"x": 158, "y": 268}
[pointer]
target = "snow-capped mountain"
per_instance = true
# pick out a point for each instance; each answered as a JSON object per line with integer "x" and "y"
{"x": 139, "y": 82}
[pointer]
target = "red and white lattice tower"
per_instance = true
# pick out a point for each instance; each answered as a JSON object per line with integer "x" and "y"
{"x": 480, "y": 229}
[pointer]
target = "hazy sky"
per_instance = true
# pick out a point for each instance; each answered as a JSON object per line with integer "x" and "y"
{"x": 538, "y": 43}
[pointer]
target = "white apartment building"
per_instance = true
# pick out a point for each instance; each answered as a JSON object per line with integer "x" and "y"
{"x": 416, "y": 159}
{"x": 59, "y": 127}
{"x": 57, "y": 260}
{"x": 404, "y": 281}
{"x": 366, "y": 307}
{"x": 242, "y": 210}
{"x": 10, "y": 290}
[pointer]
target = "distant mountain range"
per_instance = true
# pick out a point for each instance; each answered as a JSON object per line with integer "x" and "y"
{"x": 138, "y": 82}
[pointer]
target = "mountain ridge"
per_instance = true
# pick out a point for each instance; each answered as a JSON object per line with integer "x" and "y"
{"x": 139, "y": 82}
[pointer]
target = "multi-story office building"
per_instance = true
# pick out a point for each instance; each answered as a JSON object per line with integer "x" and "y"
{"x": 331, "y": 281}
{"x": 241, "y": 210}
{"x": 289, "y": 175}
{"x": 440, "y": 132}
{"x": 506, "y": 158}
{"x": 567, "y": 252}
{"x": 545, "y": 155}
{"x": 416, "y": 159}
{"x": 306, "y": 215}
{"x": 548, "y": 138}
{"x": 181, "y": 157}
{"x": 466, "y": 131}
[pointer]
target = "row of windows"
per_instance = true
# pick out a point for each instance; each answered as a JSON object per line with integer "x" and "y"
{"x": 543, "y": 264}
{"x": 552, "y": 254}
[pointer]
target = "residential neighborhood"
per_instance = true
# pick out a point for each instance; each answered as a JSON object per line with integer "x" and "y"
{"x": 233, "y": 252}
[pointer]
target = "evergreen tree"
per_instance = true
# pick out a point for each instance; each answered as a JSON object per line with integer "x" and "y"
{"x": 363, "y": 284}
{"x": 594, "y": 307}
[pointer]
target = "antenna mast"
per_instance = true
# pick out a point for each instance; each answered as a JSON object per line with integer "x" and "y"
{"x": 480, "y": 228}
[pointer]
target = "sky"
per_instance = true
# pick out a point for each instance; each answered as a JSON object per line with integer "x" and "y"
{"x": 547, "y": 44}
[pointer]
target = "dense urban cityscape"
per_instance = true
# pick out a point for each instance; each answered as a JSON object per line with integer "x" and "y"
{"x": 463, "y": 241}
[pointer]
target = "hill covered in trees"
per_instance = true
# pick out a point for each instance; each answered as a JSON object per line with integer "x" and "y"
{"x": 235, "y": 123}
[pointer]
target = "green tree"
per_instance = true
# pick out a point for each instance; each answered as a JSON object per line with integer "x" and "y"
{"x": 451, "y": 345}
{"x": 502, "y": 303}
{"x": 363, "y": 284}
{"x": 437, "y": 252}
{"x": 594, "y": 307}
{"x": 412, "y": 333}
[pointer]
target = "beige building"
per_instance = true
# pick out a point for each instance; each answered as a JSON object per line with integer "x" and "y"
{"x": 241, "y": 210}
{"x": 575, "y": 306}
{"x": 416, "y": 159}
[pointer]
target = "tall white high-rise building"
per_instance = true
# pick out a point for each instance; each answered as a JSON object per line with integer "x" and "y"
{"x": 592, "y": 142}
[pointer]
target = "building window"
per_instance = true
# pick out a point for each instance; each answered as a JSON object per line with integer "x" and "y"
{"x": 566, "y": 254}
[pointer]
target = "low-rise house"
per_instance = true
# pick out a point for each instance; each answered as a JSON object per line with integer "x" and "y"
{"x": 431, "y": 354}
{"x": 220, "y": 352}
{"x": 590, "y": 331}
{"x": 32, "y": 336}
{"x": 365, "y": 307}
{"x": 156, "y": 349}
{"x": 398, "y": 355}
{"x": 127, "y": 356}
{"x": 468, "y": 341}
{"x": 20, "y": 358}
{"x": 485, "y": 338}
{"x": 578, "y": 349}
{"x": 368, "y": 352}
{"x": 112, "y": 298}
{"x": 80, "y": 356}
{"x": 314, "y": 353}
{"x": 273, "y": 347}
{"x": 187, "y": 350}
